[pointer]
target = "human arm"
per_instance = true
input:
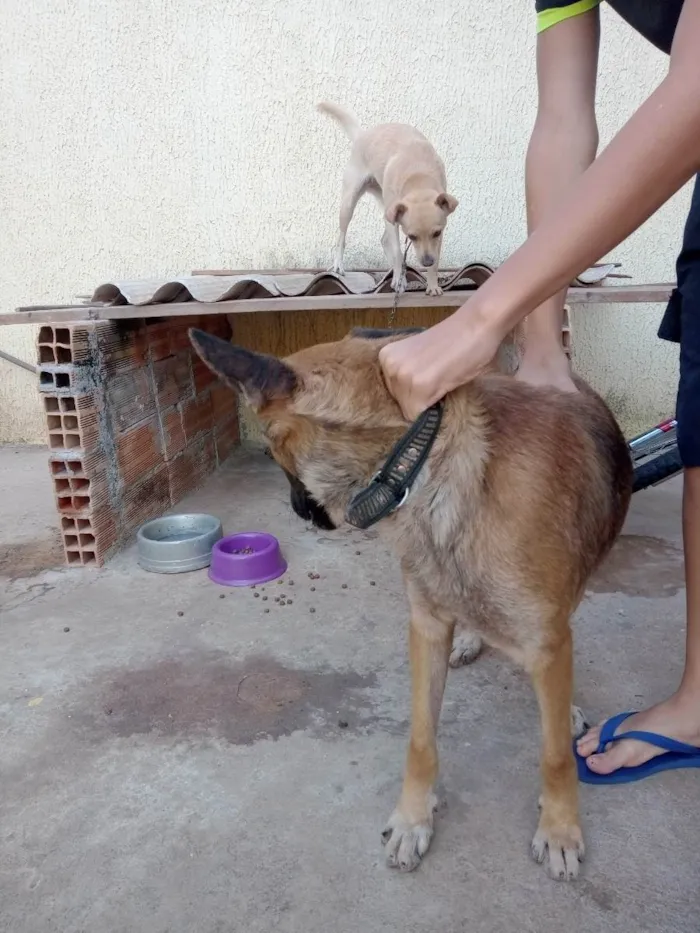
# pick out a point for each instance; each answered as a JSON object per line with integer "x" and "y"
{"x": 655, "y": 153}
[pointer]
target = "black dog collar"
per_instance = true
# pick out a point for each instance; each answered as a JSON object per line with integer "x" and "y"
{"x": 391, "y": 484}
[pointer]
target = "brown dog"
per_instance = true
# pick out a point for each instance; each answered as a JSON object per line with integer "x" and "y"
{"x": 400, "y": 167}
{"x": 521, "y": 498}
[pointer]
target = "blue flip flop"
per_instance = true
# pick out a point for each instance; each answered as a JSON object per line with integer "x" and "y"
{"x": 676, "y": 755}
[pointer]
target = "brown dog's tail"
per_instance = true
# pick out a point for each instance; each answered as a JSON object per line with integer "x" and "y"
{"x": 347, "y": 120}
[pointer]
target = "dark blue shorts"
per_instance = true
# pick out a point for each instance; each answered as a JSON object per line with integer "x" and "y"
{"x": 681, "y": 324}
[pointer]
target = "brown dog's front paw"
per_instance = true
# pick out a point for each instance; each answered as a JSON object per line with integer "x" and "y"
{"x": 561, "y": 848}
{"x": 406, "y": 843}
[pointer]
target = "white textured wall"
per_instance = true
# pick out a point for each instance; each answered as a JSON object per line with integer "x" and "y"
{"x": 153, "y": 136}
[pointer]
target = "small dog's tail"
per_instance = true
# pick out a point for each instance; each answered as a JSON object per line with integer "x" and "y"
{"x": 347, "y": 120}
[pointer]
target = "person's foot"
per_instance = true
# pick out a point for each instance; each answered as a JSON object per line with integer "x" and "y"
{"x": 677, "y": 718}
{"x": 554, "y": 371}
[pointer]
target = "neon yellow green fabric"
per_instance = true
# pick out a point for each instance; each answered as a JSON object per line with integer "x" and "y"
{"x": 548, "y": 18}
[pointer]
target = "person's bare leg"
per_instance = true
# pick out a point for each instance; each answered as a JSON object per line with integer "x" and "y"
{"x": 679, "y": 716}
{"x": 544, "y": 361}
{"x": 562, "y": 146}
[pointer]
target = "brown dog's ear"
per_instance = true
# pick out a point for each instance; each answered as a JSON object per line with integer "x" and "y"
{"x": 258, "y": 377}
{"x": 446, "y": 202}
{"x": 395, "y": 212}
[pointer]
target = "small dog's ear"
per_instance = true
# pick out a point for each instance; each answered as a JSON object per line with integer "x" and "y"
{"x": 258, "y": 377}
{"x": 446, "y": 202}
{"x": 395, "y": 212}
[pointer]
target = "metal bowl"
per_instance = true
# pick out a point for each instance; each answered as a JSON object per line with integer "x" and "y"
{"x": 177, "y": 543}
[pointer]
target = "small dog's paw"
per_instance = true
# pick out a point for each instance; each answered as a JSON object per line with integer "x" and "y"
{"x": 466, "y": 647}
{"x": 406, "y": 843}
{"x": 433, "y": 290}
{"x": 561, "y": 849}
{"x": 579, "y": 724}
{"x": 338, "y": 268}
{"x": 399, "y": 282}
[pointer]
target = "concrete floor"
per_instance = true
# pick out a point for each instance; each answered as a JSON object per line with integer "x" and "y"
{"x": 177, "y": 759}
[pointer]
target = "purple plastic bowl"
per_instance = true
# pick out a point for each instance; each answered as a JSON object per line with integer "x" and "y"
{"x": 265, "y": 563}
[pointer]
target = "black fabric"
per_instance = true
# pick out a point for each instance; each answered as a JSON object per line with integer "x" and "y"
{"x": 656, "y": 20}
{"x": 542, "y": 5}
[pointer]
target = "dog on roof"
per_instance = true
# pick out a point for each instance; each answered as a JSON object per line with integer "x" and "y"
{"x": 396, "y": 164}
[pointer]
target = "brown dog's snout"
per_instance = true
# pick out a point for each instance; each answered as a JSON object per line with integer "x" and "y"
{"x": 428, "y": 260}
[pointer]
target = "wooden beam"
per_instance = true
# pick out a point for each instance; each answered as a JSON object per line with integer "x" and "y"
{"x": 599, "y": 294}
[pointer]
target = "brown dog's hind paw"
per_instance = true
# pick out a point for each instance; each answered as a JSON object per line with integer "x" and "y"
{"x": 466, "y": 647}
{"x": 579, "y": 723}
{"x": 562, "y": 850}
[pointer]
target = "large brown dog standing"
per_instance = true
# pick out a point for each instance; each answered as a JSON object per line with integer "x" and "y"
{"x": 522, "y": 497}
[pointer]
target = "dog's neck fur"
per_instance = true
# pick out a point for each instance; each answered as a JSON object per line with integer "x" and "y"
{"x": 437, "y": 483}
{"x": 334, "y": 489}
{"x": 447, "y": 478}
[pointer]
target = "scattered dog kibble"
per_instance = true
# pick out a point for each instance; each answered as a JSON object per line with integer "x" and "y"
{"x": 372, "y": 583}
{"x": 222, "y": 595}
{"x": 243, "y": 550}
{"x": 342, "y": 723}
{"x": 358, "y": 553}
{"x": 280, "y": 582}
{"x": 264, "y": 598}
{"x": 312, "y": 609}
{"x": 291, "y": 582}
{"x": 344, "y": 586}
{"x": 266, "y": 610}
{"x": 289, "y": 602}
{"x": 180, "y": 612}
{"x": 313, "y": 589}
{"x": 256, "y": 595}
{"x": 108, "y": 711}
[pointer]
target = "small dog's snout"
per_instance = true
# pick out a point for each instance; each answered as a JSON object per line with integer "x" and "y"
{"x": 428, "y": 261}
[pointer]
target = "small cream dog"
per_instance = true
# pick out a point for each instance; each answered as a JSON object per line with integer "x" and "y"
{"x": 398, "y": 165}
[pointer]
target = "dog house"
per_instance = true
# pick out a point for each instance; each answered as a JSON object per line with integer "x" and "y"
{"x": 135, "y": 421}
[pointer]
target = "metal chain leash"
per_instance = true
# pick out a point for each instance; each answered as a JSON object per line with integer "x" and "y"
{"x": 397, "y": 293}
